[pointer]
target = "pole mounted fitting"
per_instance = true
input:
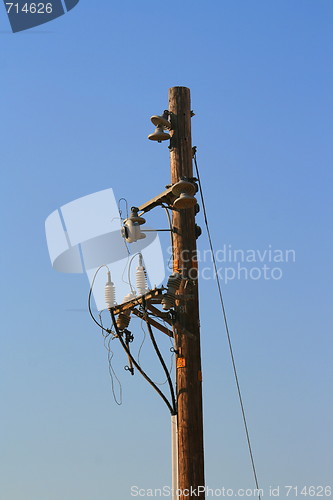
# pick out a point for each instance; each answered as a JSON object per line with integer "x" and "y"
{"x": 162, "y": 120}
{"x": 135, "y": 217}
{"x": 184, "y": 191}
{"x": 123, "y": 320}
{"x": 173, "y": 286}
{"x": 131, "y": 229}
{"x": 161, "y": 123}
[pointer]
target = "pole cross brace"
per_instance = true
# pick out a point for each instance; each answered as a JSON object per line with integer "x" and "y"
{"x": 154, "y": 296}
{"x": 152, "y": 322}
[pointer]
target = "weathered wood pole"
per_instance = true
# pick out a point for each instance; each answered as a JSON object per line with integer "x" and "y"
{"x": 188, "y": 376}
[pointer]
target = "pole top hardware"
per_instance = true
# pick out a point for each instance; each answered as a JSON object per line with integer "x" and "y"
{"x": 183, "y": 186}
{"x": 159, "y": 135}
{"x": 135, "y": 217}
{"x": 184, "y": 190}
{"x": 166, "y": 197}
{"x": 161, "y": 120}
{"x": 177, "y": 196}
{"x": 131, "y": 227}
{"x": 161, "y": 123}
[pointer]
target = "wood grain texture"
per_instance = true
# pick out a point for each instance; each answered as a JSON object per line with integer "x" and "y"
{"x": 189, "y": 380}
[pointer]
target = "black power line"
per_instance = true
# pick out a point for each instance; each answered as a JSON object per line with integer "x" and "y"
{"x": 138, "y": 367}
{"x": 226, "y": 322}
{"x": 166, "y": 371}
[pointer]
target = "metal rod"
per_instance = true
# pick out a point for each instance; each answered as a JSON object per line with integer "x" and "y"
{"x": 154, "y": 230}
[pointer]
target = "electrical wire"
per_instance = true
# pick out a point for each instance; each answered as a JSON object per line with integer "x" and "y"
{"x": 160, "y": 357}
{"x": 172, "y": 341}
{"x": 145, "y": 376}
{"x": 123, "y": 273}
{"x": 112, "y": 372}
{"x": 226, "y": 323}
{"x": 119, "y": 209}
{"x": 165, "y": 368}
{"x": 128, "y": 266}
{"x": 143, "y": 341}
{"x": 89, "y": 298}
{"x": 129, "y": 270}
{"x": 169, "y": 370}
{"x": 122, "y": 219}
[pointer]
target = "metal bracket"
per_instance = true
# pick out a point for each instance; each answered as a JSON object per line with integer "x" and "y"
{"x": 166, "y": 197}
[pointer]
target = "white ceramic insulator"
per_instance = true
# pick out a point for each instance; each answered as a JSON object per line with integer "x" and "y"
{"x": 133, "y": 232}
{"x": 110, "y": 293}
{"x": 141, "y": 280}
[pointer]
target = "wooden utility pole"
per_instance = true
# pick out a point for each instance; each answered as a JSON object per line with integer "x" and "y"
{"x": 188, "y": 376}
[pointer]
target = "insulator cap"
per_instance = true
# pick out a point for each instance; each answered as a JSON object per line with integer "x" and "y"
{"x": 159, "y": 135}
{"x": 161, "y": 120}
{"x": 135, "y": 217}
{"x": 173, "y": 285}
{"x": 184, "y": 187}
{"x": 184, "y": 201}
{"x": 184, "y": 190}
{"x": 123, "y": 320}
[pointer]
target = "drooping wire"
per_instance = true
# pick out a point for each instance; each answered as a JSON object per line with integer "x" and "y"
{"x": 107, "y": 340}
{"x": 165, "y": 368}
{"x": 141, "y": 346}
{"x": 171, "y": 340}
{"x": 89, "y": 298}
{"x": 169, "y": 370}
{"x": 119, "y": 209}
{"x": 122, "y": 219}
{"x": 226, "y": 323}
{"x": 138, "y": 367}
{"x": 142, "y": 343}
{"x": 129, "y": 270}
{"x": 129, "y": 259}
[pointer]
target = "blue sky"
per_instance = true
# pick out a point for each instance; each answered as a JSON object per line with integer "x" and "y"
{"x": 77, "y": 95}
